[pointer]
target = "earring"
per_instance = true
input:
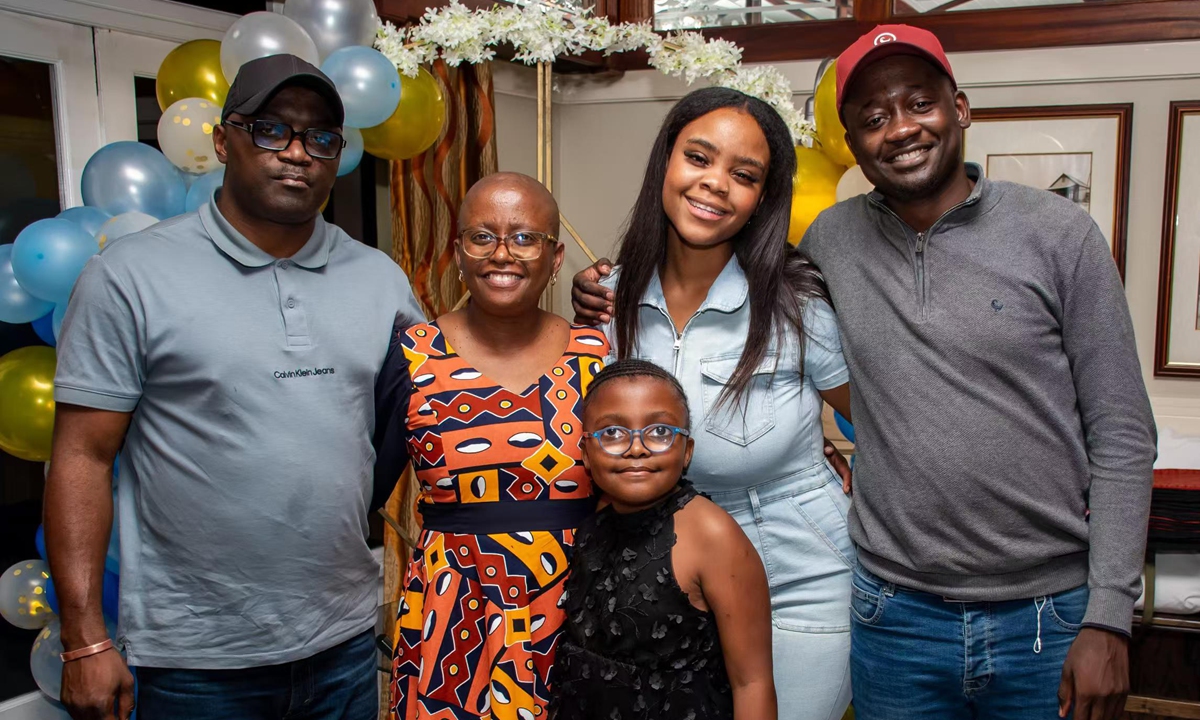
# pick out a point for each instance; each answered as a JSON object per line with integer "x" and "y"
{"x": 460, "y": 275}
{"x": 554, "y": 278}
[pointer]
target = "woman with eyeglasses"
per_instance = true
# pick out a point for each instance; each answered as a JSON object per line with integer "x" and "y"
{"x": 708, "y": 287}
{"x": 486, "y": 404}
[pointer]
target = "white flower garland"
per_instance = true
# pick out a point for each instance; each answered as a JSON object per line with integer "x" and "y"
{"x": 541, "y": 33}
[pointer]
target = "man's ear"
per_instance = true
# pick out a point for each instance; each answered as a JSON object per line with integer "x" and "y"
{"x": 220, "y": 137}
{"x": 962, "y": 107}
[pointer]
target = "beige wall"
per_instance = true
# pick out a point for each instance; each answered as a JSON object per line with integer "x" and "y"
{"x": 604, "y": 129}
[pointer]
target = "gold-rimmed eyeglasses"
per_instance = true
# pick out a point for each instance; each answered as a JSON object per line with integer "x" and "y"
{"x": 521, "y": 245}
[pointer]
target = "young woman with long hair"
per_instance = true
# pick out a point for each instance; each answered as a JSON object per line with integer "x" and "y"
{"x": 708, "y": 287}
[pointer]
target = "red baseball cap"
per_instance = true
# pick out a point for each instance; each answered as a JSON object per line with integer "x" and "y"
{"x": 887, "y": 41}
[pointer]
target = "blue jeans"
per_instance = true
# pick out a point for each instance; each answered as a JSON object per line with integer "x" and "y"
{"x": 340, "y": 683}
{"x": 914, "y": 655}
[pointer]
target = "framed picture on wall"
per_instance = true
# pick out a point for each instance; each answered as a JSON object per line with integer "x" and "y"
{"x": 1177, "y": 341}
{"x": 1078, "y": 151}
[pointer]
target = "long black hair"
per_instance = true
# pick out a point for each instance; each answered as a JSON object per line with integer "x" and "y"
{"x": 780, "y": 278}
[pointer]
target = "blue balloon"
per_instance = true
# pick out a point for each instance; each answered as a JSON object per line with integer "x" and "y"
{"x": 16, "y": 304}
{"x": 352, "y": 153}
{"x": 89, "y": 218}
{"x": 44, "y": 327}
{"x": 844, "y": 426}
{"x": 203, "y": 188}
{"x": 39, "y": 540}
{"x": 51, "y": 596}
{"x": 368, "y": 83}
{"x": 48, "y": 256}
{"x": 129, "y": 176}
{"x": 56, "y": 319}
{"x": 110, "y": 595}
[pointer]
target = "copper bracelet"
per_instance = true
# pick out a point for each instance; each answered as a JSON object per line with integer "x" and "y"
{"x": 88, "y": 651}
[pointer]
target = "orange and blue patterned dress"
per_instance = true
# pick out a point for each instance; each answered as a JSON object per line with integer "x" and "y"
{"x": 502, "y": 490}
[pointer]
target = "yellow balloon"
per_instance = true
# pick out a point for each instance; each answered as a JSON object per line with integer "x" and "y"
{"x": 830, "y": 131}
{"x": 814, "y": 188}
{"x": 27, "y": 402}
{"x": 416, "y": 123}
{"x": 192, "y": 70}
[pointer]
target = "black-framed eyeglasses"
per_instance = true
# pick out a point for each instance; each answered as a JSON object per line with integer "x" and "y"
{"x": 521, "y": 245}
{"x": 657, "y": 438}
{"x": 278, "y": 136}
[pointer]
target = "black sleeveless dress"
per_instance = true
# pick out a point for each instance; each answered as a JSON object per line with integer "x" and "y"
{"x": 634, "y": 646}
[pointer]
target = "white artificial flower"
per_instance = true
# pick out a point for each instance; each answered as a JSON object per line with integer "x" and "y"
{"x": 542, "y": 32}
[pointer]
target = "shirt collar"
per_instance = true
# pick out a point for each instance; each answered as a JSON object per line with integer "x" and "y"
{"x": 728, "y": 292}
{"x": 314, "y": 254}
{"x": 983, "y": 197}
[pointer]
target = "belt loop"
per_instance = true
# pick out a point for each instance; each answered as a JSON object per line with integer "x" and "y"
{"x": 755, "y": 505}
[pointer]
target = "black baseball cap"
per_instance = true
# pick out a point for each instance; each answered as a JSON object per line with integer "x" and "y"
{"x": 258, "y": 80}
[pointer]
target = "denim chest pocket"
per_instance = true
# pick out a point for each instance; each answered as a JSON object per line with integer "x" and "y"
{"x": 738, "y": 422}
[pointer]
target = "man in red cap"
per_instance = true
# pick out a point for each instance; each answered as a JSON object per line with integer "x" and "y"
{"x": 1005, "y": 437}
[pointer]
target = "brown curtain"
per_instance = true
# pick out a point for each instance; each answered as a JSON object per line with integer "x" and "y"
{"x": 426, "y": 194}
{"x": 428, "y": 189}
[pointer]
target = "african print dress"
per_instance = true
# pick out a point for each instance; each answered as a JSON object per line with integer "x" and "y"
{"x": 502, "y": 491}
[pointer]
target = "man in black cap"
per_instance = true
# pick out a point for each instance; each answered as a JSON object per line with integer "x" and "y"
{"x": 230, "y": 355}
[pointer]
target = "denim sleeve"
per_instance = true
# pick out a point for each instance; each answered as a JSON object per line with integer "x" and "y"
{"x": 102, "y": 344}
{"x": 393, "y": 390}
{"x": 823, "y": 361}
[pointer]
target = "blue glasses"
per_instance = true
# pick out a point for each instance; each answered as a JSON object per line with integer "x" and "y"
{"x": 657, "y": 438}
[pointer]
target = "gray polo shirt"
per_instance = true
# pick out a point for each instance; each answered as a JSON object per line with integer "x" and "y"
{"x": 247, "y": 468}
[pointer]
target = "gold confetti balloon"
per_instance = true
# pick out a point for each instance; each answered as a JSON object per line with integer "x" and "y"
{"x": 185, "y": 134}
{"x": 23, "y": 595}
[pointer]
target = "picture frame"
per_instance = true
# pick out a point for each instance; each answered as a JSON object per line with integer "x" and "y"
{"x": 1081, "y": 152}
{"x": 1177, "y": 334}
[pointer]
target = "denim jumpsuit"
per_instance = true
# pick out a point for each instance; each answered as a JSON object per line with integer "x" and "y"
{"x": 763, "y": 462}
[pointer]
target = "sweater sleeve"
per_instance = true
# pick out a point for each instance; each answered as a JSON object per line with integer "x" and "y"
{"x": 1118, "y": 428}
{"x": 393, "y": 390}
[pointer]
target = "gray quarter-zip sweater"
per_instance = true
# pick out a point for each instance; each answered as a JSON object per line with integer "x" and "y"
{"x": 1006, "y": 442}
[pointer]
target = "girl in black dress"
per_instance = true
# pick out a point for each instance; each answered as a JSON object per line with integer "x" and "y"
{"x": 668, "y": 612}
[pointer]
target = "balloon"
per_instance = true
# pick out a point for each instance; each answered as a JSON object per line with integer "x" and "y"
{"x": 16, "y": 304}
{"x": 814, "y": 188}
{"x": 88, "y": 218}
{"x": 844, "y": 426}
{"x": 39, "y": 541}
{"x": 204, "y": 186}
{"x": 110, "y": 595}
{"x": 335, "y": 24}
{"x": 185, "y": 134}
{"x": 48, "y": 256}
{"x": 351, "y": 154}
{"x": 122, "y": 225}
{"x": 366, "y": 80}
{"x": 44, "y": 328}
{"x": 830, "y": 131}
{"x": 853, "y": 183}
{"x": 27, "y": 414}
{"x": 56, "y": 320}
{"x": 192, "y": 70}
{"x": 261, "y": 34}
{"x": 23, "y": 594}
{"x": 126, "y": 175}
{"x": 416, "y": 123}
{"x": 44, "y": 660}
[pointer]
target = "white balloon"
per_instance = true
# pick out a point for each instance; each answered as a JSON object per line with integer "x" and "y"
{"x": 853, "y": 183}
{"x": 45, "y": 663}
{"x": 23, "y": 595}
{"x": 185, "y": 134}
{"x": 122, "y": 225}
{"x": 261, "y": 34}
{"x": 335, "y": 24}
